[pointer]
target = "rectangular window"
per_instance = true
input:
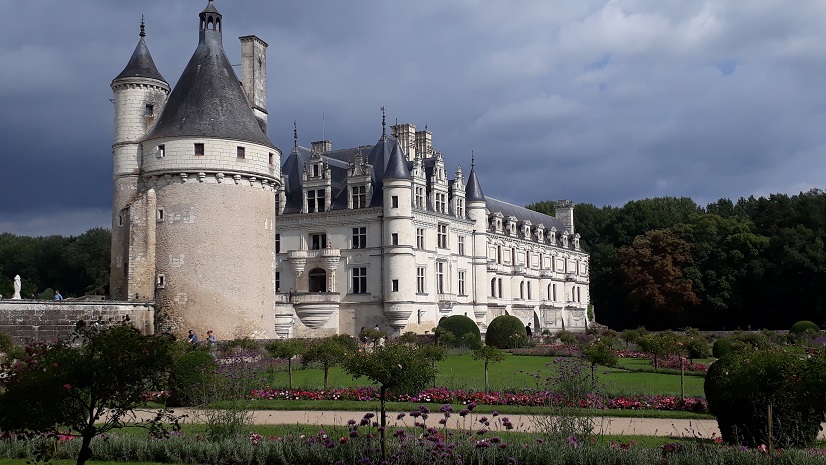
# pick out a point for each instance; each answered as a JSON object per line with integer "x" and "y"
{"x": 315, "y": 170}
{"x": 442, "y": 236}
{"x": 420, "y": 280}
{"x": 318, "y": 241}
{"x": 199, "y": 149}
{"x": 277, "y": 282}
{"x": 120, "y": 219}
{"x": 440, "y": 202}
{"x": 161, "y": 151}
{"x": 394, "y": 285}
{"x": 462, "y": 283}
{"x": 553, "y": 288}
{"x": 149, "y": 110}
{"x": 529, "y": 290}
{"x": 420, "y": 198}
{"x": 360, "y": 237}
{"x": 499, "y": 281}
{"x": 241, "y": 152}
{"x": 315, "y": 201}
{"x": 420, "y": 238}
{"x": 160, "y": 214}
{"x": 359, "y": 280}
{"x": 161, "y": 282}
{"x": 460, "y": 208}
{"x": 277, "y": 243}
{"x": 394, "y": 239}
{"x": 440, "y": 277}
{"x": 461, "y": 241}
{"x": 359, "y": 194}
{"x": 271, "y": 157}
{"x": 394, "y": 201}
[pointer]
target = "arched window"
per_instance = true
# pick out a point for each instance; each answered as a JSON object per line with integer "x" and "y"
{"x": 318, "y": 280}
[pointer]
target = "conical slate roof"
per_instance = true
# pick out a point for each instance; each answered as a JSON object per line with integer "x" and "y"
{"x": 208, "y": 100}
{"x": 473, "y": 191}
{"x": 141, "y": 63}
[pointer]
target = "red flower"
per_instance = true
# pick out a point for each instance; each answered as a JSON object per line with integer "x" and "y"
{"x": 67, "y": 386}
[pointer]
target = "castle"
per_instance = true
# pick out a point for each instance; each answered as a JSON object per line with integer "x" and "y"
{"x": 208, "y": 223}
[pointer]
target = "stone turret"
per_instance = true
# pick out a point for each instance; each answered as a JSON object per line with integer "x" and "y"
{"x": 140, "y": 94}
{"x": 475, "y": 206}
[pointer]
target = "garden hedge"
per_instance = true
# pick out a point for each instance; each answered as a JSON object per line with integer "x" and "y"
{"x": 740, "y": 386}
{"x": 460, "y": 327}
{"x": 804, "y": 326}
{"x": 506, "y": 332}
{"x": 189, "y": 377}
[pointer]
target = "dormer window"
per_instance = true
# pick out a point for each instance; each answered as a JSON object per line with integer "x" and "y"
{"x": 359, "y": 196}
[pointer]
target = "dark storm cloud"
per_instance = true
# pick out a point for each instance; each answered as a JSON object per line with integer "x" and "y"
{"x": 598, "y": 101}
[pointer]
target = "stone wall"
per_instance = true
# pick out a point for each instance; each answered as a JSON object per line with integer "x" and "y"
{"x": 37, "y": 320}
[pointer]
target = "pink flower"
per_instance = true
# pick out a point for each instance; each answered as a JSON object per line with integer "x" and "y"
{"x": 67, "y": 386}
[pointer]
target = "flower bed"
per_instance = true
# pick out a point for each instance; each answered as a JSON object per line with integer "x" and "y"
{"x": 673, "y": 361}
{"x": 458, "y": 396}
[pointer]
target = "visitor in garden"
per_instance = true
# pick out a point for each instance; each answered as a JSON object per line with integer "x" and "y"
{"x": 57, "y": 295}
{"x": 528, "y": 330}
{"x": 192, "y": 338}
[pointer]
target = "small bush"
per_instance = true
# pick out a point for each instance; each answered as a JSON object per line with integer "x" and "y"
{"x": 697, "y": 347}
{"x": 506, "y": 332}
{"x": 739, "y": 342}
{"x": 240, "y": 344}
{"x": 459, "y": 326}
{"x": 740, "y": 386}
{"x": 600, "y": 353}
{"x": 6, "y": 342}
{"x": 804, "y": 326}
{"x": 566, "y": 337}
{"x": 189, "y": 377}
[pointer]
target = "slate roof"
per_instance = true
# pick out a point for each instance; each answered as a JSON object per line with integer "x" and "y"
{"x": 141, "y": 64}
{"x": 208, "y": 100}
{"x": 522, "y": 214}
{"x": 473, "y": 191}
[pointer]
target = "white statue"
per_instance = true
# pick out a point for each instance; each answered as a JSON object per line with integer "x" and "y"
{"x": 16, "y": 295}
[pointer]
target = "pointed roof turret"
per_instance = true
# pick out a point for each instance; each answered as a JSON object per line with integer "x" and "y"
{"x": 208, "y": 100}
{"x": 141, "y": 63}
{"x": 397, "y": 165}
{"x": 473, "y": 191}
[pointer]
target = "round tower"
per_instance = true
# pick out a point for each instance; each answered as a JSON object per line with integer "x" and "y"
{"x": 398, "y": 236}
{"x": 215, "y": 175}
{"x": 140, "y": 95}
{"x": 476, "y": 207}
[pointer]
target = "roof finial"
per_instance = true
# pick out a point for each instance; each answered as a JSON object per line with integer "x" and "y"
{"x": 295, "y": 135}
{"x": 143, "y": 28}
{"x": 472, "y": 160}
{"x": 383, "y": 122}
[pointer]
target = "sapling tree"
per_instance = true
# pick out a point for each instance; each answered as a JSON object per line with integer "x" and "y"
{"x": 328, "y": 352}
{"x": 89, "y": 389}
{"x": 488, "y": 354}
{"x": 287, "y": 349}
{"x": 396, "y": 367}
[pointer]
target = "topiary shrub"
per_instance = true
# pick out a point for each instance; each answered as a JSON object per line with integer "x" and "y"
{"x": 740, "y": 386}
{"x": 804, "y": 326}
{"x": 506, "y": 332}
{"x": 739, "y": 342}
{"x": 463, "y": 330}
{"x": 189, "y": 378}
{"x": 696, "y": 347}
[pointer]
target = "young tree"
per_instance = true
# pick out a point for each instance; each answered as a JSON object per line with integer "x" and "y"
{"x": 489, "y": 354}
{"x": 90, "y": 389}
{"x": 287, "y": 349}
{"x": 393, "y": 367}
{"x": 328, "y": 352}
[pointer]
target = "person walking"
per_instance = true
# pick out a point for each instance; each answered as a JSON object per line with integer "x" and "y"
{"x": 57, "y": 295}
{"x": 528, "y": 331}
{"x": 192, "y": 337}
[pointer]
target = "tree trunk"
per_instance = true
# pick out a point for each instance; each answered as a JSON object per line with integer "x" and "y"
{"x": 290, "y": 371}
{"x": 383, "y": 422}
{"x": 486, "y": 376}
{"x": 326, "y": 369}
{"x": 85, "y": 449}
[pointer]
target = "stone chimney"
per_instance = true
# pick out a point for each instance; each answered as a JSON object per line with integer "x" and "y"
{"x": 406, "y": 135}
{"x": 254, "y": 76}
{"x": 565, "y": 214}
{"x": 322, "y": 146}
{"x": 424, "y": 143}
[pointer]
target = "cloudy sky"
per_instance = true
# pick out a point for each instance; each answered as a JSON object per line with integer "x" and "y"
{"x": 591, "y": 100}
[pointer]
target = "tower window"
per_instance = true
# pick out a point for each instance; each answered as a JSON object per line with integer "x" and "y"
{"x": 149, "y": 110}
{"x": 161, "y": 151}
{"x": 395, "y": 285}
{"x": 394, "y": 239}
{"x": 161, "y": 281}
{"x": 241, "y": 152}
{"x": 394, "y": 201}
{"x": 199, "y": 149}
{"x": 120, "y": 219}
{"x": 271, "y": 158}
{"x": 160, "y": 214}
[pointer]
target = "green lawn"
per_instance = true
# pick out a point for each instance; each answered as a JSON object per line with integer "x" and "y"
{"x": 514, "y": 373}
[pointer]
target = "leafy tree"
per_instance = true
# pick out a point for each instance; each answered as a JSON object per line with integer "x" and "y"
{"x": 600, "y": 353}
{"x": 287, "y": 349}
{"x": 652, "y": 268}
{"x": 90, "y": 389}
{"x": 393, "y": 367}
{"x": 328, "y": 352}
{"x": 659, "y": 345}
{"x": 488, "y": 354}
